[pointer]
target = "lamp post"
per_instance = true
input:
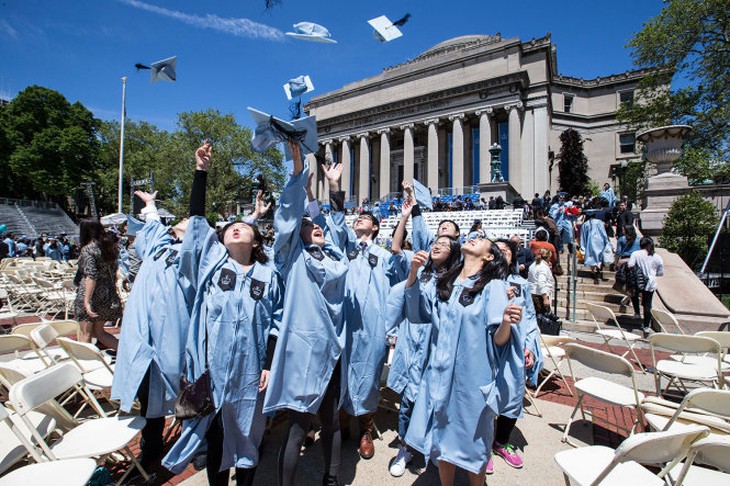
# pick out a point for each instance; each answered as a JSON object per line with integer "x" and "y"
{"x": 495, "y": 150}
{"x": 624, "y": 166}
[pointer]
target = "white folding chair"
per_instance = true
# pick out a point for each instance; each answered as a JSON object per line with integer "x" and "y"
{"x": 18, "y": 351}
{"x": 98, "y": 438}
{"x": 16, "y": 440}
{"x": 42, "y": 337}
{"x": 594, "y": 465}
{"x": 92, "y": 362}
{"x": 722, "y": 337}
{"x": 601, "y": 313}
{"x": 70, "y": 472}
{"x": 7, "y": 311}
{"x": 602, "y": 389}
{"x": 679, "y": 372}
{"x": 702, "y": 406}
{"x": 553, "y": 347}
{"x": 666, "y": 321}
{"x": 711, "y": 452}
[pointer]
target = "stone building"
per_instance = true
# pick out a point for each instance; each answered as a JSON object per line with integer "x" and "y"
{"x": 435, "y": 116}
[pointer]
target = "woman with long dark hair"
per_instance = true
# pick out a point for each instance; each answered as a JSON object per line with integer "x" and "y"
{"x": 521, "y": 357}
{"x": 652, "y": 266}
{"x": 97, "y": 301}
{"x": 457, "y": 399}
{"x": 233, "y": 326}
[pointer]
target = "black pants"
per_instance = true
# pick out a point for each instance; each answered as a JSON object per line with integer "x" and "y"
{"x": 330, "y": 435}
{"x": 244, "y": 477}
{"x": 151, "y": 443}
{"x": 503, "y": 429}
{"x": 646, "y": 299}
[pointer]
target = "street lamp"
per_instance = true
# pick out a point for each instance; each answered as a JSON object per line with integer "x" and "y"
{"x": 624, "y": 166}
{"x": 496, "y": 163}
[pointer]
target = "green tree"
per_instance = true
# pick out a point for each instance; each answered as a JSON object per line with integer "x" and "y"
{"x": 50, "y": 144}
{"x": 572, "y": 163}
{"x": 688, "y": 226}
{"x": 689, "y": 41}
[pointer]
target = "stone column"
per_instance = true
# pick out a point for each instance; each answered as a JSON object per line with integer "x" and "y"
{"x": 457, "y": 153}
{"x": 432, "y": 171}
{"x": 363, "y": 191}
{"x": 515, "y": 135}
{"x": 485, "y": 141}
{"x": 384, "y": 161}
{"x": 345, "y": 182}
{"x": 408, "y": 155}
{"x": 540, "y": 119}
{"x": 325, "y": 193}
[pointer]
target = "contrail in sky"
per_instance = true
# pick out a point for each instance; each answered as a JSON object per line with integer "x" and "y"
{"x": 240, "y": 27}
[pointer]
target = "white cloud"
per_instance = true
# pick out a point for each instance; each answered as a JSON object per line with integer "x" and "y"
{"x": 239, "y": 27}
{"x": 8, "y": 29}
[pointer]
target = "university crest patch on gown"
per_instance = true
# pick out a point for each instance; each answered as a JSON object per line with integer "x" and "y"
{"x": 171, "y": 257}
{"x": 257, "y": 289}
{"x": 227, "y": 280}
{"x": 373, "y": 260}
{"x": 466, "y": 299}
{"x": 316, "y": 253}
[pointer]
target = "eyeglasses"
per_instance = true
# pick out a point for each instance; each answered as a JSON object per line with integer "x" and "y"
{"x": 477, "y": 235}
{"x": 441, "y": 244}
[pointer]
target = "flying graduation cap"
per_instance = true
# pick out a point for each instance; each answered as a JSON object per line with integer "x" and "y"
{"x": 385, "y": 30}
{"x": 296, "y": 87}
{"x": 309, "y": 31}
{"x": 271, "y": 130}
{"x": 161, "y": 70}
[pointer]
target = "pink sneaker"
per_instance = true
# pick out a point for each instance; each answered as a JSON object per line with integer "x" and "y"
{"x": 508, "y": 452}
{"x": 490, "y": 466}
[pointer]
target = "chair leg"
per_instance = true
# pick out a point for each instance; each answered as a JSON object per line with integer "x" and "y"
{"x": 636, "y": 358}
{"x": 134, "y": 464}
{"x": 570, "y": 420}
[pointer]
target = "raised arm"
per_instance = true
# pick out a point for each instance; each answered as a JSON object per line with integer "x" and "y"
{"x": 400, "y": 231}
{"x": 153, "y": 234}
{"x": 288, "y": 218}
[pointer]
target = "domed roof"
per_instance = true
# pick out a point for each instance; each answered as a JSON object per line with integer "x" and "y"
{"x": 457, "y": 41}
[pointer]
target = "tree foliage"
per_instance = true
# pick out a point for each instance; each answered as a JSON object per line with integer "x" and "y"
{"x": 49, "y": 145}
{"x": 572, "y": 163}
{"x": 689, "y": 224}
{"x": 689, "y": 41}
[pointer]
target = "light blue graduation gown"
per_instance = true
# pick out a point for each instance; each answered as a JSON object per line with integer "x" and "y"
{"x": 312, "y": 334}
{"x": 511, "y": 375}
{"x": 370, "y": 276}
{"x": 609, "y": 196}
{"x": 593, "y": 241}
{"x": 155, "y": 324}
{"x": 453, "y": 417}
{"x": 421, "y": 236}
{"x": 237, "y": 310}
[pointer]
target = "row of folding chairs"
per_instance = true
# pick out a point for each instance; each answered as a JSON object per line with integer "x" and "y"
{"x": 65, "y": 455}
{"x": 36, "y": 292}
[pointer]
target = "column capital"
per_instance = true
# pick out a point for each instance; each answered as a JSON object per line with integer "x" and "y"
{"x": 382, "y": 131}
{"x": 344, "y": 138}
{"x": 363, "y": 135}
{"x": 431, "y": 121}
{"x": 407, "y": 126}
{"x": 328, "y": 141}
{"x": 456, "y": 116}
{"x": 484, "y": 111}
{"x": 517, "y": 105}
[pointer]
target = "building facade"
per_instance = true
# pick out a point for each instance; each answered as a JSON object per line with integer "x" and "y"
{"x": 434, "y": 118}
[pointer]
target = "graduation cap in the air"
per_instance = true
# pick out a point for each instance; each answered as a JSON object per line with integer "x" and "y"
{"x": 423, "y": 195}
{"x": 161, "y": 70}
{"x": 271, "y": 130}
{"x": 385, "y": 30}
{"x": 296, "y": 87}
{"x": 133, "y": 225}
{"x": 309, "y": 31}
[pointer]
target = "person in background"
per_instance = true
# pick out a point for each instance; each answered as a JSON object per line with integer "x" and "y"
{"x": 541, "y": 281}
{"x": 652, "y": 266}
{"x": 624, "y": 219}
{"x": 97, "y": 301}
{"x": 541, "y": 242}
{"x": 10, "y": 242}
{"x": 594, "y": 243}
{"x": 523, "y": 256}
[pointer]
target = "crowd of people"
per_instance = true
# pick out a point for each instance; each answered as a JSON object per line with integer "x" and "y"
{"x": 298, "y": 317}
{"x": 58, "y": 248}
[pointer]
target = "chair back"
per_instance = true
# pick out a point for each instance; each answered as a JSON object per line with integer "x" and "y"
{"x": 9, "y": 375}
{"x": 722, "y": 337}
{"x": 684, "y": 344}
{"x": 664, "y": 319}
{"x": 86, "y": 356}
{"x": 25, "y": 329}
{"x": 43, "y": 335}
{"x": 705, "y": 401}
{"x": 41, "y": 387}
{"x": 599, "y": 360}
{"x": 601, "y": 314}
{"x": 66, "y": 328}
{"x": 13, "y": 343}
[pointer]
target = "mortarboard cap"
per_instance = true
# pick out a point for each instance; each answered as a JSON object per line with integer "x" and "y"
{"x": 271, "y": 130}
{"x": 310, "y": 31}
{"x": 385, "y": 30}
{"x": 133, "y": 225}
{"x": 562, "y": 194}
{"x": 164, "y": 70}
{"x": 423, "y": 195}
{"x": 296, "y": 87}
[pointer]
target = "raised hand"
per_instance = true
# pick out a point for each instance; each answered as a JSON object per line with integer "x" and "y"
{"x": 260, "y": 207}
{"x": 406, "y": 208}
{"x": 310, "y": 192}
{"x": 146, "y": 196}
{"x": 333, "y": 175}
{"x": 419, "y": 260}
{"x": 203, "y": 155}
{"x": 408, "y": 188}
{"x": 512, "y": 314}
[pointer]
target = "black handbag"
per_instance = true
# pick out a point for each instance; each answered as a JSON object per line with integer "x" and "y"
{"x": 549, "y": 324}
{"x": 621, "y": 273}
{"x": 636, "y": 278}
{"x": 194, "y": 398}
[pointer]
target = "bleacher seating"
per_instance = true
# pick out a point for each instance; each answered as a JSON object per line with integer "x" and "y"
{"x": 32, "y": 218}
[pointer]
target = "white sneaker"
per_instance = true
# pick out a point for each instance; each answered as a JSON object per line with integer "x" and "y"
{"x": 402, "y": 459}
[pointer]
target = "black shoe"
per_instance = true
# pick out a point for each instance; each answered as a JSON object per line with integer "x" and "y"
{"x": 328, "y": 480}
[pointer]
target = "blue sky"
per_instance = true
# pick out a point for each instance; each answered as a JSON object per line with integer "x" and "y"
{"x": 233, "y": 54}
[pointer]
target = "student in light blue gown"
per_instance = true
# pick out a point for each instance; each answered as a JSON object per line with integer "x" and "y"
{"x": 595, "y": 244}
{"x": 608, "y": 194}
{"x": 309, "y": 369}
{"x": 233, "y": 327}
{"x": 453, "y": 419}
{"x": 420, "y": 234}
{"x": 520, "y": 357}
{"x": 413, "y": 340}
{"x": 151, "y": 354}
{"x": 372, "y": 272}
